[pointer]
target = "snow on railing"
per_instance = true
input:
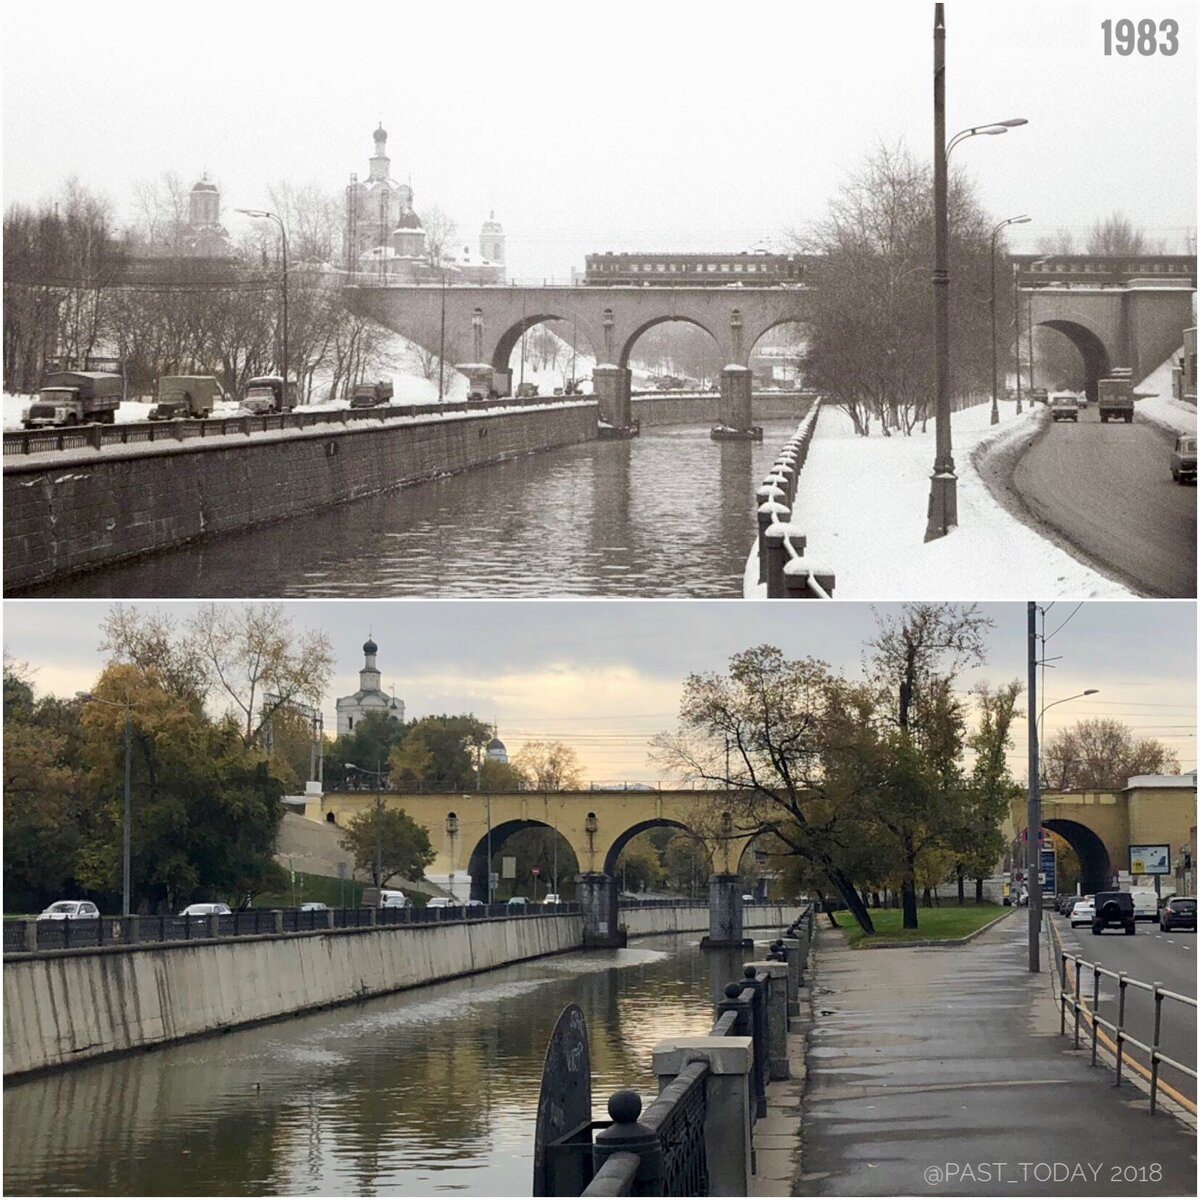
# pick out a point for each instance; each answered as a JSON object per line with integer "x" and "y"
{"x": 781, "y": 542}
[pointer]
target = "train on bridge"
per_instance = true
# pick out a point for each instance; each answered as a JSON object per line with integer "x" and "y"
{"x": 749, "y": 268}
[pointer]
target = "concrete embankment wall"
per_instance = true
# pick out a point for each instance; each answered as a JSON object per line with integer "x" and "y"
{"x": 73, "y": 510}
{"x": 704, "y": 410}
{"x": 641, "y": 922}
{"x": 71, "y": 1006}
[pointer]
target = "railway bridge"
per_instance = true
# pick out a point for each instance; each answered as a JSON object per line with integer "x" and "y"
{"x": 486, "y": 323}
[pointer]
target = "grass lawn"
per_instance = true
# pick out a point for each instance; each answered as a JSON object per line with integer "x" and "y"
{"x": 934, "y": 924}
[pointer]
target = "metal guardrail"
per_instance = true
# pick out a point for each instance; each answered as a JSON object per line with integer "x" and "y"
{"x": 32, "y": 936}
{"x": 1089, "y": 1018}
{"x": 781, "y": 543}
{"x": 96, "y": 436}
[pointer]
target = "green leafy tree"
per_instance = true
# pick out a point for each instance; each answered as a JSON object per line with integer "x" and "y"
{"x": 502, "y": 777}
{"x": 549, "y": 766}
{"x": 455, "y": 744}
{"x": 403, "y": 845}
{"x": 410, "y": 763}
{"x": 368, "y": 746}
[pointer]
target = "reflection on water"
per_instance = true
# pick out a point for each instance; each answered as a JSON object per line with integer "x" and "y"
{"x": 667, "y": 514}
{"x": 431, "y": 1090}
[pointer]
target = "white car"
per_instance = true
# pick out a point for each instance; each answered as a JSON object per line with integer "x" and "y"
{"x": 314, "y": 906}
{"x": 1083, "y": 912}
{"x": 1145, "y": 904}
{"x": 206, "y": 910}
{"x": 441, "y": 902}
{"x": 396, "y": 900}
{"x": 70, "y": 910}
{"x": 552, "y": 898}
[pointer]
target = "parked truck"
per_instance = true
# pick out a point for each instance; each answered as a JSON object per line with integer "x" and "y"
{"x": 73, "y": 397}
{"x": 266, "y": 394}
{"x": 368, "y": 395}
{"x": 181, "y": 396}
{"x": 1116, "y": 399}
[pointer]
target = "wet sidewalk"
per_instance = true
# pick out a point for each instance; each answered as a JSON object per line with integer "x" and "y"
{"x": 940, "y": 1072}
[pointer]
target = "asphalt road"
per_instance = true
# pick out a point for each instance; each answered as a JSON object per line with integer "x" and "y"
{"x": 1106, "y": 492}
{"x": 1152, "y": 957}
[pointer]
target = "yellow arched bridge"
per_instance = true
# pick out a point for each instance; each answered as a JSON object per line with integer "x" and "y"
{"x": 596, "y": 825}
{"x": 1152, "y": 810}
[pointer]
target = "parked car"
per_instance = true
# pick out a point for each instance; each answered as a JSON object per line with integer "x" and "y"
{"x": 206, "y": 910}
{"x": 517, "y": 902}
{"x": 1064, "y": 406}
{"x": 1083, "y": 912}
{"x": 69, "y": 910}
{"x": 1183, "y": 459}
{"x": 552, "y": 898}
{"x": 1113, "y": 908}
{"x": 1178, "y": 913}
{"x": 314, "y": 906}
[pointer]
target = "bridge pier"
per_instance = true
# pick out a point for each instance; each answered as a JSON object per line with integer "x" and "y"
{"x": 734, "y": 422}
{"x": 598, "y": 897}
{"x": 613, "y": 387}
{"x": 724, "y": 914}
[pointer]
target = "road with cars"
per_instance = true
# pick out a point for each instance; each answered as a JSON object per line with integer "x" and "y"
{"x": 1106, "y": 492}
{"x": 1152, "y": 957}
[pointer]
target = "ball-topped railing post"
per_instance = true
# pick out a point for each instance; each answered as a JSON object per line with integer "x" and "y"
{"x": 627, "y": 1134}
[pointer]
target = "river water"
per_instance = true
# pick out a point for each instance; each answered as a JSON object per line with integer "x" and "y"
{"x": 670, "y": 513}
{"x": 427, "y": 1091}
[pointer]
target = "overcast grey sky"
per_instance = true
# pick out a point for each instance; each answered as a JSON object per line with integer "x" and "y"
{"x": 678, "y": 124}
{"x": 604, "y": 675}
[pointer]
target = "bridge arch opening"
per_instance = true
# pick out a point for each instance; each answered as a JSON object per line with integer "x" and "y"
{"x": 1052, "y": 364}
{"x": 674, "y": 348}
{"x": 777, "y": 354}
{"x": 1095, "y": 866}
{"x": 549, "y": 851}
{"x": 548, "y": 348}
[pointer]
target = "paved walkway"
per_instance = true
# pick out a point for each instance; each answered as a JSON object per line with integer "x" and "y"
{"x": 938, "y": 1072}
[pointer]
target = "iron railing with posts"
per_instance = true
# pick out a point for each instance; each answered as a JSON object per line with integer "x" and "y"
{"x": 664, "y": 1151}
{"x": 783, "y": 569}
{"x": 132, "y": 433}
{"x": 30, "y": 936}
{"x": 1087, "y": 1019}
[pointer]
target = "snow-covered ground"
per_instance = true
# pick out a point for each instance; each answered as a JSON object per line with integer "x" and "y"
{"x": 1156, "y": 401}
{"x": 862, "y": 504}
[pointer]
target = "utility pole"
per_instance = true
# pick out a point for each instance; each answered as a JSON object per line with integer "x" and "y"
{"x": 1017, "y": 328}
{"x": 1033, "y": 849}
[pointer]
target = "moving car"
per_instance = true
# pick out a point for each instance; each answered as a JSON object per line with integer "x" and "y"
{"x": 314, "y": 906}
{"x": 395, "y": 900}
{"x": 1064, "y": 406}
{"x": 69, "y": 910}
{"x": 1178, "y": 913}
{"x": 206, "y": 910}
{"x": 552, "y": 898}
{"x": 1145, "y": 904}
{"x": 1083, "y": 912}
{"x": 1183, "y": 459}
{"x": 441, "y": 902}
{"x": 517, "y": 902}
{"x": 1113, "y": 909}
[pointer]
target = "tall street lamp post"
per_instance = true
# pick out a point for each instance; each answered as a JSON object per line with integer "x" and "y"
{"x": 89, "y": 698}
{"x": 1017, "y": 330}
{"x": 262, "y": 213}
{"x": 1022, "y": 220}
{"x": 943, "y": 482}
{"x": 442, "y": 343}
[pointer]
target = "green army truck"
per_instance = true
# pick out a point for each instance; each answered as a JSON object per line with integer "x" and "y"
{"x": 182, "y": 396}
{"x": 75, "y": 397}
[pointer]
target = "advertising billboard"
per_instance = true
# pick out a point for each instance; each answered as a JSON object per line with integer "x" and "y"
{"x": 1149, "y": 860}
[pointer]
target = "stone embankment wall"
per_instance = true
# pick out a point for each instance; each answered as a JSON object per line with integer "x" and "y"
{"x": 640, "y": 922}
{"x": 70, "y": 1006}
{"x": 705, "y": 410}
{"x": 67, "y": 511}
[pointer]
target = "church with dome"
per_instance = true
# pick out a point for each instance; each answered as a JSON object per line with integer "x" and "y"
{"x": 384, "y": 237}
{"x": 370, "y": 697}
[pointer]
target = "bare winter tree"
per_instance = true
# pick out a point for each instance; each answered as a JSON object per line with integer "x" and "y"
{"x": 1102, "y": 755}
{"x": 440, "y": 234}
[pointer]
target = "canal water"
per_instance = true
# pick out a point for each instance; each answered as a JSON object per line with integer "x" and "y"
{"x": 670, "y": 513}
{"x": 428, "y": 1091}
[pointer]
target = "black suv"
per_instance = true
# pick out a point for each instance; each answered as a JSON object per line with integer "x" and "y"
{"x": 1113, "y": 908}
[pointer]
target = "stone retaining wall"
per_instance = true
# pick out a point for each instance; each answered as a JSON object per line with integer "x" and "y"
{"x": 73, "y": 510}
{"x": 74, "y": 1005}
{"x": 641, "y": 922}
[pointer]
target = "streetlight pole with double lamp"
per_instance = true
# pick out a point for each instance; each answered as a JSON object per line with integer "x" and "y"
{"x": 262, "y": 213}
{"x": 943, "y": 482}
{"x": 1022, "y": 220}
{"x": 89, "y": 698}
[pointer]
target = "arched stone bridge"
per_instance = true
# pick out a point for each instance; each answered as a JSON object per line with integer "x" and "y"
{"x": 1101, "y": 826}
{"x": 484, "y": 325}
{"x": 595, "y": 826}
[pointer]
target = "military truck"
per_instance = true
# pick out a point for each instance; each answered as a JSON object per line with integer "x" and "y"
{"x": 367, "y": 395}
{"x": 73, "y": 397}
{"x": 266, "y": 394}
{"x": 181, "y": 396}
{"x": 1116, "y": 399}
